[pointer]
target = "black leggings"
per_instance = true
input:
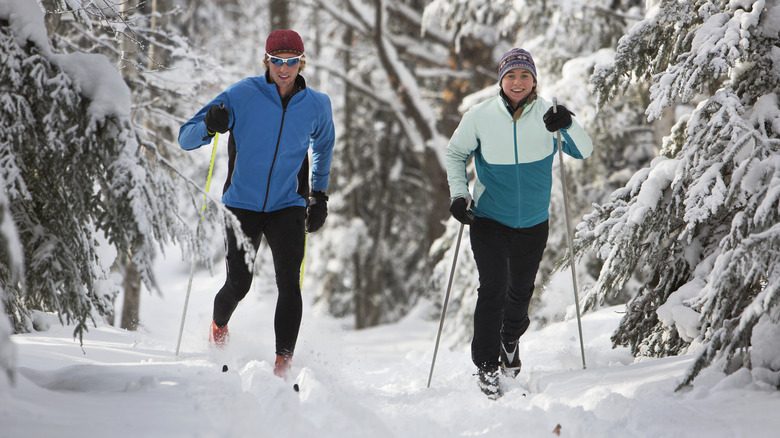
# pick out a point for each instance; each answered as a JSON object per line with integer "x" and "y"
{"x": 284, "y": 232}
{"x": 507, "y": 260}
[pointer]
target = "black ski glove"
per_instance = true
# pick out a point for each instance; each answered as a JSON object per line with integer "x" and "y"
{"x": 317, "y": 211}
{"x": 557, "y": 121}
{"x": 217, "y": 119}
{"x": 460, "y": 211}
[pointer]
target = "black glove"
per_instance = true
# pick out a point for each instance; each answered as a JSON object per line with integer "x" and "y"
{"x": 557, "y": 121}
{"x": 317, "y": 211}
{"x": 217, "y": 119}
{"x": 460, "y": 211}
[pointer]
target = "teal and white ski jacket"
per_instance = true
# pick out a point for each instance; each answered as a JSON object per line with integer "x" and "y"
{"x": 269, "y": 142}
{"x": 513, "y": 161}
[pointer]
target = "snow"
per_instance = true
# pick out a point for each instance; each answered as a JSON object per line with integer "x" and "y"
{"x": 7, "y": 351}
{"x": 354, "y": 383}
{"x": 93, "y": 74}
{"x": 662, "y": 173}
{"x": 705, "y": 196}
{"x": 97, "y": 80}
{"x": 26, "y": 19}
{"x": 674, "y": 312}
{"x": 766, "y": 336}
{"x": 373, "y": 382}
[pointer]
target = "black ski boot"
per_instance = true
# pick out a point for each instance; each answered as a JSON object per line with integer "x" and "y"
{"x": 510, "y": 359}
{"x": 488, "y": 383}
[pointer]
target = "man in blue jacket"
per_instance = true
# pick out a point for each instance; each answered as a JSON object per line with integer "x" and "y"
{"x": 273, "y": 120}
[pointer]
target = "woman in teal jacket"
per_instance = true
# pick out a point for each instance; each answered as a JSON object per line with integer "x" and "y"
{"x": 512, "y": 139}
{"x": 273, "y": 120}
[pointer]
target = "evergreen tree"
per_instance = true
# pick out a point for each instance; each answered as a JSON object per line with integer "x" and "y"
{"x": 143, "y": 39}
{"x": 12, "y": 270}
{"x": 702, "y": 220}
{"x": 80, "y": 179}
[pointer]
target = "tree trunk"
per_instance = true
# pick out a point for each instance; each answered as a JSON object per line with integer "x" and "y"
{"x": 132, "y": 301}
{"x": 473, "y": 55}
{"x": 155, "y": 57}
{"x": 280, "y": 16}
{"x": 52, "y": 20}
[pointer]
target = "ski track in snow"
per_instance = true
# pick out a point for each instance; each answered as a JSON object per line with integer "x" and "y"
{"x": 353, "y": 383}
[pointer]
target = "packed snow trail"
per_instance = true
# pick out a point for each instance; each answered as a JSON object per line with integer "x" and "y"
{"x": 354, "y": 383}
{"x": 361, "y": 381}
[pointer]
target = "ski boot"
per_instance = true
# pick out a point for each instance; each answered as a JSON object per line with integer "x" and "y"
{"x": 218, "y": 336}
{"x": 488, "y": 383}
{"x": 510, "y": 359}
{"x": 282, "y": 366}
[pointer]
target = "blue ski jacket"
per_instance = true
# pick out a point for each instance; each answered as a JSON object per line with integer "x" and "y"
{"x": 269, "y": 142}
{"x": 513, "y": 160}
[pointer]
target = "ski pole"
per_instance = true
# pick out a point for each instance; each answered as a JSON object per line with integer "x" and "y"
{"x": 446, "y": 300}
{"x": 202, "y": 215}
{"x": 569, "y": 237}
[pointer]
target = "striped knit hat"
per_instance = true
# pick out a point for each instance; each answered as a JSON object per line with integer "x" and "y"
{"x": 283, "y": 41}
{"x": 516, "y": 58}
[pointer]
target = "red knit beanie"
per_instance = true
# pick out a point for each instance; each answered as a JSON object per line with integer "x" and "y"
{"x": 284, "y": 40}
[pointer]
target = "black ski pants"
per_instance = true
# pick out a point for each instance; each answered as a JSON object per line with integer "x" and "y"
{"x": 507, "y": 261}
{"x": 284, "y": 232}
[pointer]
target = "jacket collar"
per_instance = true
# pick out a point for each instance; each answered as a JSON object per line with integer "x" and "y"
{"x": 300, "y": 84}
{"x": 515, "y": 113}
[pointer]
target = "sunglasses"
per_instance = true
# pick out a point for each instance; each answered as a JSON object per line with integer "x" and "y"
{"x": 275, "y": 60}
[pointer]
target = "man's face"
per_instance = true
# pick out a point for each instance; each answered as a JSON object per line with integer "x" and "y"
{"x": 284, "y": 75}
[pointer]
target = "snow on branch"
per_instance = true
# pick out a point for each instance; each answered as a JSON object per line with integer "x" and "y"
{"x": 81, "y": 187}
{"x": 702, "y": 221}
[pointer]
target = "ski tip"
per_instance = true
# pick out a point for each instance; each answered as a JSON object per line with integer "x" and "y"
{"x": 224, "y": 368}
{"x": 296, "y": 388}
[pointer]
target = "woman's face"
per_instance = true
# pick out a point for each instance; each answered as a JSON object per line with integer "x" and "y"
{"x": 517, "y": 84}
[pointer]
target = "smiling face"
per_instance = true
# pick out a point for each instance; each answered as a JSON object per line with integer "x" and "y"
{"x": 517, "y": 85}
{"x": 284, "y": 75}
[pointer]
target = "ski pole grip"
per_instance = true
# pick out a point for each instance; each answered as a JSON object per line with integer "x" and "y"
{"x": 555, "y": 105}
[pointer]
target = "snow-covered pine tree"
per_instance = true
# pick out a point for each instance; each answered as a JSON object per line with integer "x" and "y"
{"x": 143, "y": 40}
{"x": 12, "y": 270}
{"x": 76, "y": 180}
{"x": 702, "y": 220}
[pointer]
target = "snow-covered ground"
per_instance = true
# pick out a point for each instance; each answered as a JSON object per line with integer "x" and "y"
{"x": 353, "y": 383}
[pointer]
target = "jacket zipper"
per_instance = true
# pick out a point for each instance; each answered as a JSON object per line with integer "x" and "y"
{"x": 517, "y": 176}
{"x": 273, "y": 162}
